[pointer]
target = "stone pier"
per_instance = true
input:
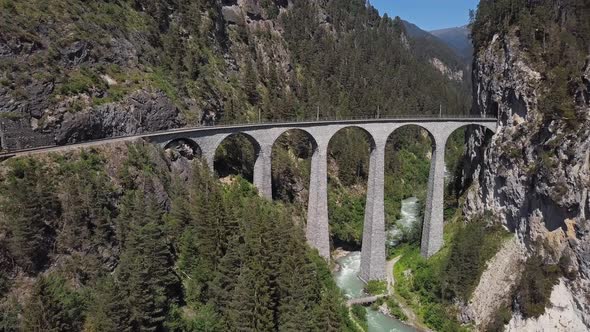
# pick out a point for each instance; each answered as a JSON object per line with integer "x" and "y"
{"x": 432, "y": 230}
{"x": 263, "y": 171}
{"x": 373, "y": 246}
{"x": 318, "y": 231}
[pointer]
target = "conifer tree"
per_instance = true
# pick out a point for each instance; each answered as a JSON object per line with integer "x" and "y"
{"x": 145, "y": 270}
{"x": 109, "y": 309}
{"x": 29, "y": 206}
{"x": 53, "y": 306}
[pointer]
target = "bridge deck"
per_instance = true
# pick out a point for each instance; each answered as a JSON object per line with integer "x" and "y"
{"x": 244, "y": 126}
{"x": 364, "y": 300}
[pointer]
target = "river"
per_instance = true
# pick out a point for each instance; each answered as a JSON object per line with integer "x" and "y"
{"x": 346, "y": 278}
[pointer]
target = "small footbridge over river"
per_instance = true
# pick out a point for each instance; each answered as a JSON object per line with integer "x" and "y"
{"x": 264, "y": 135}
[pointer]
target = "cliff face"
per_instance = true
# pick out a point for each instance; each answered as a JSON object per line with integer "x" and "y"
{"x": 534, "y": 176}
{"x": 72, "y": 71}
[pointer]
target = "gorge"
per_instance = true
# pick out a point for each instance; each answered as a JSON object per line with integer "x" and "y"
{"x": 187, "y": 169}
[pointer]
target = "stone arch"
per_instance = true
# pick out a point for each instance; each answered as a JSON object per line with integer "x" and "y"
{"x": 362, "y": 169}
{"x": 420, "y": 142}
{"x": 306, "y": 133}
{"x": 184, "y": 147}
{"x": 353, "y": 148}
{"x": 284, "y": 177}
{"x": 433, "y": 137}
{"x": 231, "y": 161}
{"x": 432, "y": 231}
{"x": 419, "y": 125}
{"x": 372, "y": 141}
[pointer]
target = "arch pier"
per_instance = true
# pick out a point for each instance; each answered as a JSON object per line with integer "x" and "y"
{"x": 373, "y": 258}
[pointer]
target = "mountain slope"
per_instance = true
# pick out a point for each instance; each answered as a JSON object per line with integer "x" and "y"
{"x": 438, "y": 54}
{"x": 71, "y": 70}
{"x": 458, "y": 39}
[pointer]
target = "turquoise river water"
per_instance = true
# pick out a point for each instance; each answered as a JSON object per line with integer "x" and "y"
{"x": 352, "y": 286}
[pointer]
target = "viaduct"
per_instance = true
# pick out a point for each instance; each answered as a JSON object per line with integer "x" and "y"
{"x": 263, "y": 137}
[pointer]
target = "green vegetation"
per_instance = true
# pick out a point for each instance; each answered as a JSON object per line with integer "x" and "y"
{"x": 472, "y": 246}
{"x": 291, "y": 164}
{"x": 500, "y": 319}
{"x": 181, "y": 48}
{"x": 395, "y": 310}
{"x": 347, "y": 214}
{"x": 235, "y": 155}
{"x": 359, "y": 314}
{"x": 406, "y": 174}
{"x": 81, "y": 81}
{"x": 134, "y": 247}
{"x": 431, "y": 286}
{"x": 537, "y": 281}
{"x": 376, "y": 287}
{"x": 53, "y": 305}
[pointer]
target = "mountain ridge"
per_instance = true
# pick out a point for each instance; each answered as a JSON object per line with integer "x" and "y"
{"x": 457, "y": 38}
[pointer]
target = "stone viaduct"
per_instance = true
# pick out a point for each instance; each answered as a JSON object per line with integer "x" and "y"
{"x": 263, "y": 137}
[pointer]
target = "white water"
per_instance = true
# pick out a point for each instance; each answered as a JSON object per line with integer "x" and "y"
{"x": 409, "y": 216}
{"x": 352, "y": 286}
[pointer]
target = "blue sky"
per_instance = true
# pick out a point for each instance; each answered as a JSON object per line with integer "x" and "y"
{"x": 428, "y": 14}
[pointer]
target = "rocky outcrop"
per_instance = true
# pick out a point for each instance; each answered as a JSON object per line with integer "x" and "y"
{"x": 64, "y": 100}
{"x": 560, "y": 316}
{"x": 534, "y": 175}
{"x": 445, "y": 70}
{"x": 495, "y": 284}
{"x": 141, "y": 112}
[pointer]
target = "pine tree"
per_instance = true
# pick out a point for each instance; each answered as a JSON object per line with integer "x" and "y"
{"x": 298, "y": 286}
{"x": 328, "y": 313}
{"x": 53, "y": 306}
{"x": 109, "y": 309}
{"x": 29, "y": 206}
{"x": 251, "y": 83}
{"x": 145, "y": 270}
{"x": 223, "y": 284}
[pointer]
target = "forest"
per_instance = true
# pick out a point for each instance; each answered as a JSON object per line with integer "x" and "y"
{"x": 129, "y": 245}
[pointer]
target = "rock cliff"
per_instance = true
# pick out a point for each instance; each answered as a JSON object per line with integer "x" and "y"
{"x": 534, "y": 176}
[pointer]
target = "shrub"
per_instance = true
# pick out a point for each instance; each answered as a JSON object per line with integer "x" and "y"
{"x": 501, "y": 318}
{"x": 375, "y": 287}
{"x": 535, "y": 287}
{"x": 395, "y": 310}
{"x": 53, "y": 306}
{"x": 360, "y": 315}
{"x": 81, "y": 81}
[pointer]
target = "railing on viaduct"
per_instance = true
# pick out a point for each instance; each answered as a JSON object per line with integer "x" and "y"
{"x": 263, "y": 135}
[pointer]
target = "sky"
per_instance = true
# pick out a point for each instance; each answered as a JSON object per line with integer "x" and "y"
{"x": 428, "y": 14}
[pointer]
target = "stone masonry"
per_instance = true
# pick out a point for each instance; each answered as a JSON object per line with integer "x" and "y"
{"x": 263, "y": 137}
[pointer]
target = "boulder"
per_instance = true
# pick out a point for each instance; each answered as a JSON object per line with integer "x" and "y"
{"x": 232, "y": 15}
{"x": 141, "y": 112}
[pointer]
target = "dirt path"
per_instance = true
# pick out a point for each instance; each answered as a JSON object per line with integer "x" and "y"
{"x": 390, "y": 279}
{"x": 412, "y": 318}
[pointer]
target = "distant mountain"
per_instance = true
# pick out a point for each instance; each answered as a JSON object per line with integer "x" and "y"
{"x": 428, "y": 46}
{"x": 458, "y": 39}
{"x": 436, "y": 51}
{"x": 415, "y": 32}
